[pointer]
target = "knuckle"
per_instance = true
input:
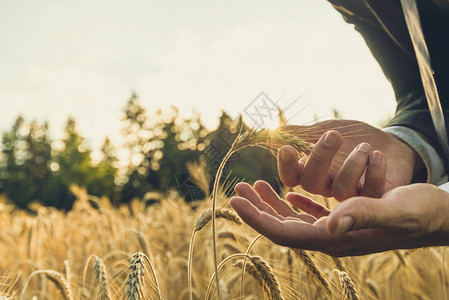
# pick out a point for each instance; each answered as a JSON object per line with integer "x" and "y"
{"x": 341, "y": 192}
{"x": 320, "y": 156}
{"x": 357, "y": 161}
{"x": 373, "y": 191}
{"x": 309, "y": 186}
{"x": 374, "y": 186}
{"x": 374, "y": 180}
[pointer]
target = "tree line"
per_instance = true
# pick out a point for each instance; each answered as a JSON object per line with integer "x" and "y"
{"x": 158, "y": 145}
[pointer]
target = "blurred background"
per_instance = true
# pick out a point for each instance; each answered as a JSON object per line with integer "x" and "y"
{"x": 119, "y": 96}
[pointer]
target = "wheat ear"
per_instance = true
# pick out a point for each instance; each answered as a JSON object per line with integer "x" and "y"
{"x": 268, "y": 276}
{"x": 251, "y": 270}
{"x": 57, "y": 278}
{"x": 264, "y": 269}
{"x": 102, "y": 279}
{"x": 204, "y": 218}
{"x": 68, "y": 274}
{"x": 348, "y": 286}
{"x": 221, "y": 213}
{"x": 311, "y": 265}
{"x": 135, "y": 278}
{"x": 143, "y": 243}
{"x": 135, "y": 281}
{"x": 248, "y": 250}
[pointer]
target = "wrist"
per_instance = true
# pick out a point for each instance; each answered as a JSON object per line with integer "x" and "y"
{"x": 419, "y": 168}
{"x": 428, "y": 166}
{"x": 412, "y": 160}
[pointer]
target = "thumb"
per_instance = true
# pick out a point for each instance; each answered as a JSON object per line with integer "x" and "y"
{"x": 359, "y": 213}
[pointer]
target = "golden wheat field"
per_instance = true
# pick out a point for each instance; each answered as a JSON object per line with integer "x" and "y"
{"x": 96, "y": 251}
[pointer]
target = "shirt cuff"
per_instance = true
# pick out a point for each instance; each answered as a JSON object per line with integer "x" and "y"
{"x": 444, "y": 187}
{"x": 436, "y": 172}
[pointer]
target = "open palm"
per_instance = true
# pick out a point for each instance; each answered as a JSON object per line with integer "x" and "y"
{"x": 406, "y": 217}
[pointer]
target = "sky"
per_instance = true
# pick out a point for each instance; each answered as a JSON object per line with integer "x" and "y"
{"x": 85, "y": 58}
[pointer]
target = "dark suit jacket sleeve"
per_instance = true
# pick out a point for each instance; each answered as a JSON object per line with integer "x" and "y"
{"x": 397, "y": 60}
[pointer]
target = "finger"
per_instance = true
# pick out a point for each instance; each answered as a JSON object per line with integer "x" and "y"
{"x": 308, "y": 205}
{"x": 346, "y": 182}
{"x": 287, "y": 233}
{"x": 268, "y": 195}
{"x": 317, "y": 180}
{"x": 245, "y": 190}
{"x": 361, "y": 212}
{"x": 376, "y": 174}
{"x": 288, "y": 166}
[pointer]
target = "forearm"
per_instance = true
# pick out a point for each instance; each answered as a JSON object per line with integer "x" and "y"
{"x": 392, "y": 49}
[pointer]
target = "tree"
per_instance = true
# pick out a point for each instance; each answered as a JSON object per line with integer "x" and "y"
{"x": 26, "y": 157}
{"x": 103, "y": 183}
{"x": 70, "y": 165}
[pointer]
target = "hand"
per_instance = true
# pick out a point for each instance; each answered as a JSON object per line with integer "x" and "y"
{"x": 406, "y": 217}
{"x": 351, "y": 159}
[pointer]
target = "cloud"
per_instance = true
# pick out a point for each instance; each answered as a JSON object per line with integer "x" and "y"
{"x": 229, "y": 71}
{"x": 328, "y": 63}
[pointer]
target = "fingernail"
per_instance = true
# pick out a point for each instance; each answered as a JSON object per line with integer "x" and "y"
{"x": 376, "y": 158}
{"x": 364, "y": 148}
{"x": 285, "y": 157}
{"x": 344, "y": 225}
{"x": 331, "y": 139}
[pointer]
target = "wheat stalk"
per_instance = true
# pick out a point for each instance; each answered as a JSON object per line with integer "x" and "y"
{"x": 248, "y": 250}
{"x": 204, "y": 218}
{"x": 252, "y": 137}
